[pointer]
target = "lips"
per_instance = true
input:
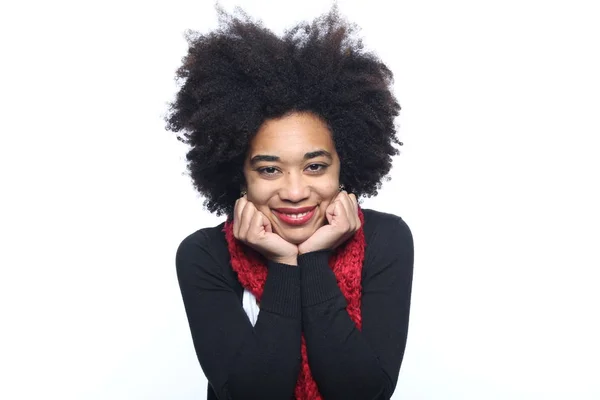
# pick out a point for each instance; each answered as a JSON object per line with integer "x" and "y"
{"x": 295, "y": 216}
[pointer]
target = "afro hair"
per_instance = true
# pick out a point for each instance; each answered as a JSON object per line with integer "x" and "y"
{"x": 241, "y": 74}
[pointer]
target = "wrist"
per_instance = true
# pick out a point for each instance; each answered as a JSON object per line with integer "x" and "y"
{"x": 304, "y": 250}
{"x": 292, "y": 260}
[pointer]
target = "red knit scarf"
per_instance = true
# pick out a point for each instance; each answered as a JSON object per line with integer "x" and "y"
{"x": 346, "y": 262}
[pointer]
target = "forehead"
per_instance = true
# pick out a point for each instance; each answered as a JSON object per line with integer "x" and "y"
{"x": 291, "y": 134}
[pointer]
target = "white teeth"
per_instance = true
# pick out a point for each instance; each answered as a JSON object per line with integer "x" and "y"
{"x": 297, "y": 215}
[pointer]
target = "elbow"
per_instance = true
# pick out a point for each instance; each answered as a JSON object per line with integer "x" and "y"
{"x": 237, "y": 391}
{"x": 372, "y": 385}
{"x": 256, "y": 385}
{"x": 382, "y": 388}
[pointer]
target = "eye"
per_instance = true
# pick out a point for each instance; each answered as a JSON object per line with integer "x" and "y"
{"x": 268, "y": 171}
{"x": 316, "y": 167}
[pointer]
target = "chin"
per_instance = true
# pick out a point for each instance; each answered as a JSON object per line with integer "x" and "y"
{"x": 298, "y": 234}
{"x": 296, "y": 238}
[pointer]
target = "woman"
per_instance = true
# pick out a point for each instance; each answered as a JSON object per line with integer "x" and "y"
{"x": 300, "y": 293}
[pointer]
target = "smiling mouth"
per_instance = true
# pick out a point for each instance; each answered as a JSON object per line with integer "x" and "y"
{"x": 295, "y": 217}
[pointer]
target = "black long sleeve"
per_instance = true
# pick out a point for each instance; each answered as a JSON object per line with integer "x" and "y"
{"x": 348, "y": 363}
{"x": 240, "y": 361}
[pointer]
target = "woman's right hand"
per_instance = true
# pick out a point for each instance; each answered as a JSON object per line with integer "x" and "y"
{"x": 253, "y": 228}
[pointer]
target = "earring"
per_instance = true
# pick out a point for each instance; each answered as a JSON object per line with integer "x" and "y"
{"x": 243, "y": 193}
{"x": 341, "y": 187}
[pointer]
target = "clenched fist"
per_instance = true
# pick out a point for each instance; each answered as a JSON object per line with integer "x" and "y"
{"x": 343, "y": 222}
{"x": 253, "y": 228}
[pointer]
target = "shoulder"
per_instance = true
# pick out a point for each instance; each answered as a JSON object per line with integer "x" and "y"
{"x": 384, "y": 228}
{"x": 206, "y": 239}
{"x": 202, "y": 251}
{"x": 387, "y": 236}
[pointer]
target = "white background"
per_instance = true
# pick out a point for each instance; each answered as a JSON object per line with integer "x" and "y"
{"x": 498, "y": 180}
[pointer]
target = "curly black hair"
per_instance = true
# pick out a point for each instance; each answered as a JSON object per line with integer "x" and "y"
{"x": 237, "y": 76}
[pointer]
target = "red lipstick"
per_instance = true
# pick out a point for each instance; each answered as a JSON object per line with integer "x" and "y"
{"x": 295, "y": 216}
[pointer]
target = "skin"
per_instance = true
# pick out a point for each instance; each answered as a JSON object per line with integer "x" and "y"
{"x": 302, "y": 169}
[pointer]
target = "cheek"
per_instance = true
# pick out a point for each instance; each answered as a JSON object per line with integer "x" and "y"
{"x": 257, "y": 198}
{"x": 259, "y": 194}
{"x": 330, "y": 191}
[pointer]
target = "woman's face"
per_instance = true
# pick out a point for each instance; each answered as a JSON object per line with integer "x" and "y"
{"x": 292, "y": 174}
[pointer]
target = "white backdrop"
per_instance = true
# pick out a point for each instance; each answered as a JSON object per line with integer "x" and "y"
{"x": 498, "y": 180}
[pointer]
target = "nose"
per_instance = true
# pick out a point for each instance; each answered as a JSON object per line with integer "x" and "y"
{"x": 294, "y": 188}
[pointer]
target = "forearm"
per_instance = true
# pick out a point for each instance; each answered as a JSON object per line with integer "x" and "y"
{"x": 342, "y": 360}
{"x": 239, "y": 360}
{"x": 268, "y": 363}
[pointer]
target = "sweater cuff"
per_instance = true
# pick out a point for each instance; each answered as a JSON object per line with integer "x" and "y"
{"x": 281, "y": 294}
{"x": 317, "y": 279}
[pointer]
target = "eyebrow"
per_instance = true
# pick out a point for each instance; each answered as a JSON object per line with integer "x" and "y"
{"x": 313, "y": 154}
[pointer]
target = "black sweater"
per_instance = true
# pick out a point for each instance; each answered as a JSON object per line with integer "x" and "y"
{"x": 262, "y": 362}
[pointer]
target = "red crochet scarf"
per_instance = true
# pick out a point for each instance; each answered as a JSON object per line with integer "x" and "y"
{"x": 346, "y": 262}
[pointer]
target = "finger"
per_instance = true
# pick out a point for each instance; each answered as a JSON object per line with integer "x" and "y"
{"x": 354, "y": 200}
{"x": 239, "y": 207}
{"x": 237, "y": 215}
{"x": 245, "y": 220}
{"x": 351, "y": 207}
{"x": 332, "y": 206}
{"x": 348, "y": 208}
{"x": 266, "y": 223}
{"x": 329, "y": 211}
{"x": 336, "y": 212}
{"x": 338, "y": 195}
{"x": 236, "y": 218}
{"x": 255, "y": 226}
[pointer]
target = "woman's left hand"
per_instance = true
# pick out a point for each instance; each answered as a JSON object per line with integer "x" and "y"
{"x": 343, "y": 222}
